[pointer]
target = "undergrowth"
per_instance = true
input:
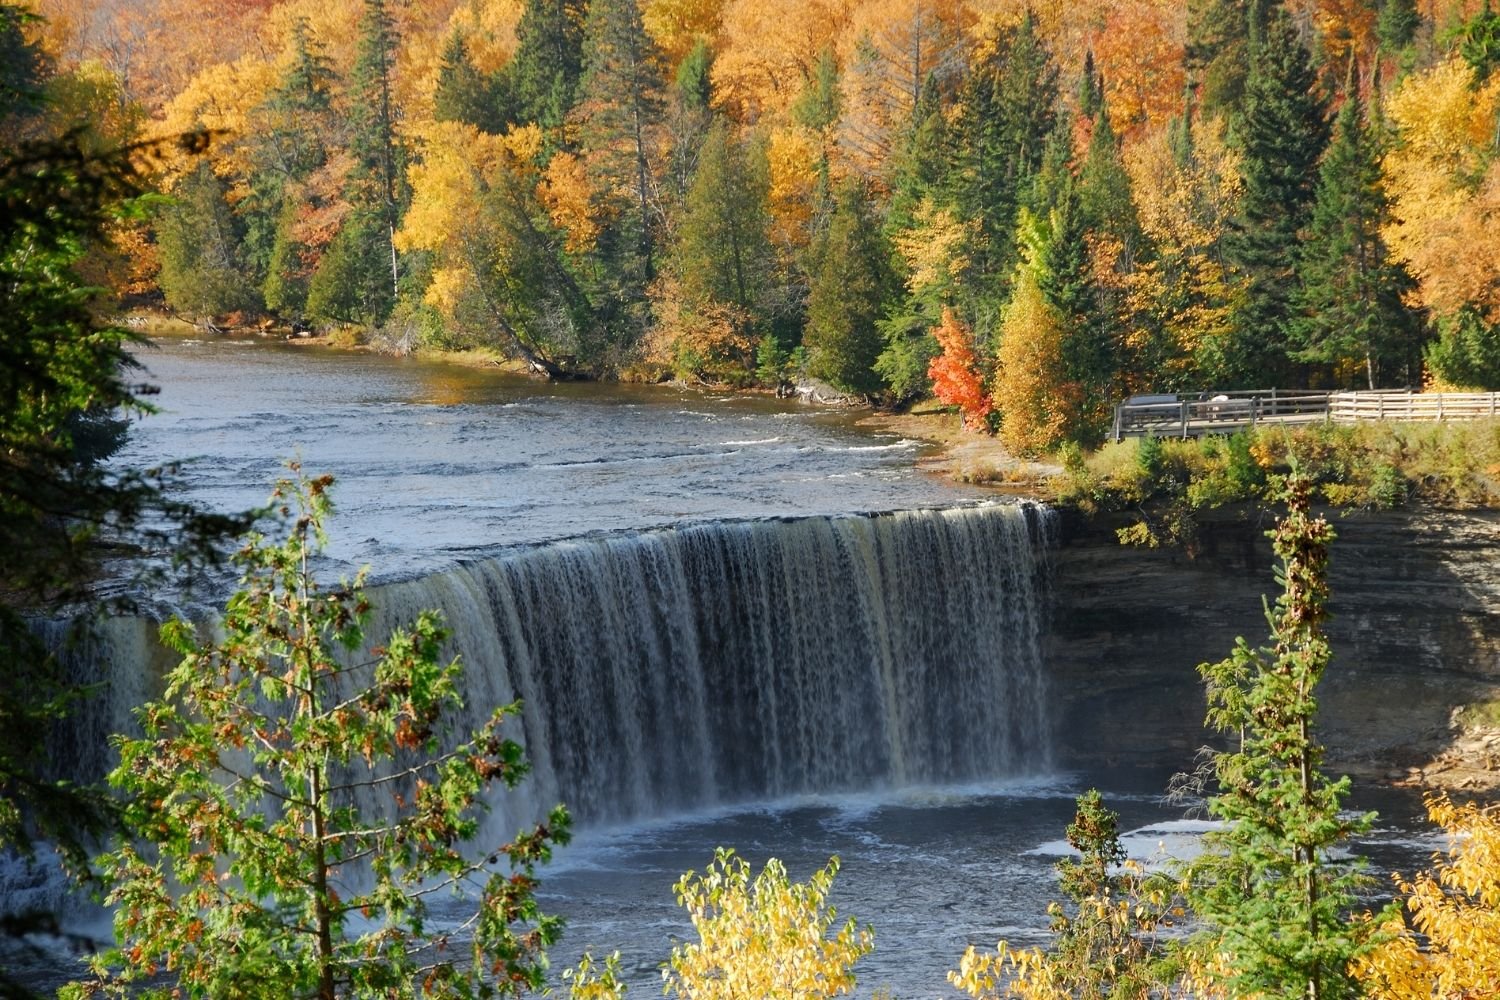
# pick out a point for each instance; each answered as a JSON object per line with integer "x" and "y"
{"x": 1168, "y": 482}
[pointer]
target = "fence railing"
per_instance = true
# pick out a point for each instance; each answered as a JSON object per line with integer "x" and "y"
{"x": 1192, "y": 414}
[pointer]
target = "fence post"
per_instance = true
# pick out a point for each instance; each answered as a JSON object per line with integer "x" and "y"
{"x": 1184, "y": 409}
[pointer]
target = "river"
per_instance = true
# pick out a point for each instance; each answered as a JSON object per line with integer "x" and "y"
{"x": 715, "y": 645}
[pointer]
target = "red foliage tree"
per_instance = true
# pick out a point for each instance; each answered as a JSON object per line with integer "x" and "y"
{"x": 955, "y": 372}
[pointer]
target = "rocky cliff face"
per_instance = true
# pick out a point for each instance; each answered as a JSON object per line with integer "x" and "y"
{"x": 1416, "y": 633}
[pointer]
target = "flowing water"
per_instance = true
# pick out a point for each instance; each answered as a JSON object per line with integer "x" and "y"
{"x": 715, "y": 641}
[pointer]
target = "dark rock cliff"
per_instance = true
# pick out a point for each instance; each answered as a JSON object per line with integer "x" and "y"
{"x": 1416, "y": 632}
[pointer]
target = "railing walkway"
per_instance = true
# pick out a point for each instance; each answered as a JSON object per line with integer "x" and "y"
{"x": 1192, "y": 414}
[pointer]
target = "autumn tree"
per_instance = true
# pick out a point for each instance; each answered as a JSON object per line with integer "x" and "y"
{"x": 955, "y": 375}
{"x": 1350, "y": 306}
{"x": 1106, "y": 939}
{"x": 1271, "y": 892}
{"x": 301, "y": 805}
{"x": 848, "y": 294}
{"x": 1443, "y": 177}
{"x": 500, "y": 273}
{"x": 765, "y": 936}
{"x": 1281, "y": 134}
{"x": 1449, "y": 951}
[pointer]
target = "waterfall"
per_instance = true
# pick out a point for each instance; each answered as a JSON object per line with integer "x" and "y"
{"x": 678, "y": 669}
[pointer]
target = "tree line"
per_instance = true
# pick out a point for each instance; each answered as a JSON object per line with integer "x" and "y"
{"x": 1028, "y": 209}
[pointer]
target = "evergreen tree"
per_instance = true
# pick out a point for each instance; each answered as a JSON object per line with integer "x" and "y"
{"x": 1104, "y": 191}
{"x": 288, "y": 145}
{"x": 1218, "y": 54}
{"x": 847, "y": 296}
{"x": 67, "y": 385}
{"x": 466, "y": 95}
{"x": 23, "y": 66}
{"x": 285, "y": 287}
{"x": 377, "y": 172}
{"x": 689, "y": 117}
{"x": 1397, "y": 25}
{"x": 1282, "y": 134}
{"x": 1467, "y": 351}
{"x": 620, "y": 114}
{"x": 1270, "y": 889}
{"x": 544, "y": 73}
{"x": 1006, "y": 111}
{"x": 723, "y": 253}
{"x": 1479, "y": 42}
{"x": 203, "y": 267}
{"x": 1350, "y": 303}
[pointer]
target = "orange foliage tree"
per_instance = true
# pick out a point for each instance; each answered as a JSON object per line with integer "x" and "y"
{"x": 955, "y": 372}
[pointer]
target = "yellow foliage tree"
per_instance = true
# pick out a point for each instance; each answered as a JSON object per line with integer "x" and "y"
{"x": 1185, "y": 210}
{"x": 1444, "y": 182}
{"x": 1038, "y": 404}
{"x": 766, "y": 938}
{"x": 1455, "y": 908}
{"x": 677, "y": 25}
{"x": 770, "y": 51}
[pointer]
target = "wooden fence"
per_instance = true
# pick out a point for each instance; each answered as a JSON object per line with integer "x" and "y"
{"x": 1189, "y": 415}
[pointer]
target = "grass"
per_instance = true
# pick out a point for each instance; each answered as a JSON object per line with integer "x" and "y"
{"x": 1361, "y": 466}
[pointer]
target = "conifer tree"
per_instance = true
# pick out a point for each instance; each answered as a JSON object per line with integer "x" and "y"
{"x": 690, "y": 113}
{"x": 848, "y": 294}
{"x": 1218, "y": 54}
{"x": 620, "y": 114}
{"x": 723, "y": 253}
{"x": 1350, "y": 304}
{"x": 203, "y": 268}
{"x": 466, "y": 95}
{"x": 289, "y": 144}
{"x": 1006, "y": 112}
{"x": 1270, "y": 890}
{"x": 543, "y": 74}
{"x": 1397, "y": 25}
{"x": 303, "y": 796}
{"x": 1282, "y": 134}
{"x": 376, "y": 176}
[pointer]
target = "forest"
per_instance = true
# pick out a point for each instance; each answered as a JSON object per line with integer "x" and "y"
{"x": 1029, "y": 210}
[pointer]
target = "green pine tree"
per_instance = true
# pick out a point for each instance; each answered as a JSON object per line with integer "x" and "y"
{"x": 1350, "y": 304}
{"x": 1007, "y": 109}
{"x": 544, "y": 73}
{"x": 620, "y": 114}
{"x": 1467, "y": 350}
{"x": 689, "y": 116}
{"x": 1397, "y": 25}
{"x": 466, "y": 95}
{"x": 1272, "y": 890}
{"x": 848, "y": 294}
{"x": 1282, "y": 134}
{"x": 723, "y": 253}
{"x": 1218, "y": 54}
{"x": 204, "y": 272}
{"x": 373, "y": 191}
